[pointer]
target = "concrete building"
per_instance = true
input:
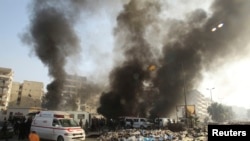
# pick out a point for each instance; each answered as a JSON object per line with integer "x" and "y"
{"x": 200, "y": 102}
{"x": 6, "y": 77}
{"x": 72, "y": 84}
{"x": 26, "y": 94}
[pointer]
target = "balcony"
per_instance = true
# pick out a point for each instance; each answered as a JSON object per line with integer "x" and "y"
{"x": 2, "y": 103}
{"x": 4, "y": 83}
{"x": 2, "y": 92}
{"x": 5, "y": 76}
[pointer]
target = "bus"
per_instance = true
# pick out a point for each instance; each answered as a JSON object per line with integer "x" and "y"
{"x": 77, "y": 115}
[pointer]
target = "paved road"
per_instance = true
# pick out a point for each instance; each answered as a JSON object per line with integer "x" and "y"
{"x": 92, "y": 138}
{"x": 15, "y": 139}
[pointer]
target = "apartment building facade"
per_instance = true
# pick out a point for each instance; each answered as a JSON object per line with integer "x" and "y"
{"x": 200, "y": 102}
{"x": 6, "y": 78}
{"x": 72, "y": 85}
{"x": 26, "y": 94}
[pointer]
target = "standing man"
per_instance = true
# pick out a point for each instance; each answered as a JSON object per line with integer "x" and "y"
{"x": 5, "y": 129}
{"x": 27, "y": 126}
{"x": 22, "y": 128}
{"x": 33, "y": 136}
{"x": 81, "y": 123}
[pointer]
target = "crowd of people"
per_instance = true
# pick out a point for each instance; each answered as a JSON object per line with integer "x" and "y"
{"x": 21, "y": 126}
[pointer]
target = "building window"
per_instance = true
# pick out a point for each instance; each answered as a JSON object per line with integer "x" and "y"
{"x": 80, "y": 116}
{"x": 19, "y": 99}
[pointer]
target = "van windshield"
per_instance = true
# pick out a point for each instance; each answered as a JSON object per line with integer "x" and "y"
{"x": 68, "y": 122}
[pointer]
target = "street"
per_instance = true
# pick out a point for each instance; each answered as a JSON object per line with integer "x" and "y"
{"x": 16, "y": 139}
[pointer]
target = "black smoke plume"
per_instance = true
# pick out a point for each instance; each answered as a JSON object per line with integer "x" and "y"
{"x": 198, "y": 48}
{"x": 52, "y": 37}
{"x": 189, "y": 47}
{"x": 127, "y": 95}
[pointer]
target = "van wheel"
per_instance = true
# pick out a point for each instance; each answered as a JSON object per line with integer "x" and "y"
{"x": 60, "y": 138}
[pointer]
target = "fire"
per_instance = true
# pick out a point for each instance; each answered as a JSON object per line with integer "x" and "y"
{"x": 152, "y": 68}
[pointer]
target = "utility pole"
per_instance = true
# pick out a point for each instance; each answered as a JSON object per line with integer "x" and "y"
{"x": 184, "y": 91}
{"x": 210, "y": 89}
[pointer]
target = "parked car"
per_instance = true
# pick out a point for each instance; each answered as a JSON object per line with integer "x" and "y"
{"x": 135, "y": 122}
{"x": 10, "y": 130}
{"x": 163, "y": 122}
{"x": 126, "y": 122}
{"x": 142, "y": 123}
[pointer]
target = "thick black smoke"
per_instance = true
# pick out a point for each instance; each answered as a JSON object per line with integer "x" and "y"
{"x": 189, "y": 48}
{"x": 198, "y": 48}
{"x": 52, "y": 37}
{"x": 127, "y": 96}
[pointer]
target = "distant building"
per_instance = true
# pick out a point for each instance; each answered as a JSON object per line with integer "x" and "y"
{"x": 72, "y": 84}
{"x": 75, "y": 86}
{"x": 26, "y": 94}
{"x": 87, "y": 108}
{"x": 6, "y": 77}
{"x": 201, "y": 103}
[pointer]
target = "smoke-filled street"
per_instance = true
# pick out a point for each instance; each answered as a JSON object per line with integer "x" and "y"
{"x": 140, "y": 60}
{"x": 159, "y": 55}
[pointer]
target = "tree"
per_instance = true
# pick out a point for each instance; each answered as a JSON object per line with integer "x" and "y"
{"x": 220, "y": 113}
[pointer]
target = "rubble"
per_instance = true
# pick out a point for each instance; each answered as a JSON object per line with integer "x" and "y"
{"x": 154, "y": 135}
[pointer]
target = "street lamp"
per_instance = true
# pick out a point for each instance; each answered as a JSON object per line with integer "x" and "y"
{"x": 220, "y": 25}
{"x": 210, "y": 89}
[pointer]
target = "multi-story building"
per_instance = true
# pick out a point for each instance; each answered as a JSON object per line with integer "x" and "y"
{"x": 72, "y": 85}
{"x": 6, "y": 77}
{"x": 200, "y": 102}
{"x": 26, "y": 94}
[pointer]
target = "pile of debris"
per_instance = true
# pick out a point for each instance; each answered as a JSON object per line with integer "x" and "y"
{"x": 154, "y": 135}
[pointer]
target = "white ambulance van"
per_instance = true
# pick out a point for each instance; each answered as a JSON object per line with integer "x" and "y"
{"x": 57, "y": 126}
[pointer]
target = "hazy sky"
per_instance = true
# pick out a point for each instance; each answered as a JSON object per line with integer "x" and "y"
{"x": 231, "y": 81}
{"x": 96, "y": 42}
{"x": 14, "y": 54}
